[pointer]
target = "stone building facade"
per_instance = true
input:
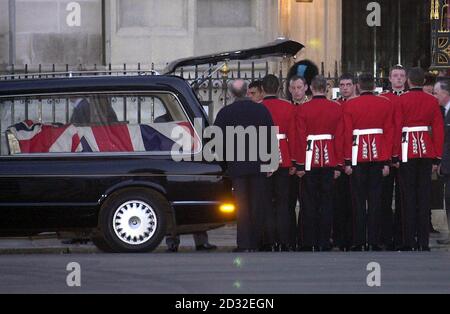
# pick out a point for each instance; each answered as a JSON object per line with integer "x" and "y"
{"x": 159, "y": 31}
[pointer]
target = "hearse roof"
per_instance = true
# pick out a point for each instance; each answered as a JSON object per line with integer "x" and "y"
{"x": 92, "y": 84}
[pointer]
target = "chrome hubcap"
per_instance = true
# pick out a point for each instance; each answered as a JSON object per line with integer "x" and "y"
{"x": 135, "y": 222}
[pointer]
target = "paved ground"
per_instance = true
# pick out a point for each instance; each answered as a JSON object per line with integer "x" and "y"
{"x": 39, "y": 266}
{"x": 225, "y": 238}
{"x": 217, "y": 273}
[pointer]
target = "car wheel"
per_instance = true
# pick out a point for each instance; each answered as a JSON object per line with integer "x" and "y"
{"x": 133, "y": 221}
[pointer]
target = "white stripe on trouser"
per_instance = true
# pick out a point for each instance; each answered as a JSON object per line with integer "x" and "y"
{"x": 311, "y": 139}
{"x": 405, "y": 139}
{"x": 356, "y": 135}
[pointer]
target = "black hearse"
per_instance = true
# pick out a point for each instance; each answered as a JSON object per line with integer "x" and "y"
{"x": 95, "y": 154}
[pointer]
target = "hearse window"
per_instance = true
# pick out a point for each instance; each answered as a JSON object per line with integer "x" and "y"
{"x": 95, "y": 123}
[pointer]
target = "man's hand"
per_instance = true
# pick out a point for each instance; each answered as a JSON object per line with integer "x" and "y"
{"x": 396, "y": 165}
{"x": 348, "y": 170}
{"x": 292, "y": 171}
{"x": 386, "y": 171}
{"x": 337, "y": 174}
{"x": 269, "y": 174}
{"x": 301, "y": 174}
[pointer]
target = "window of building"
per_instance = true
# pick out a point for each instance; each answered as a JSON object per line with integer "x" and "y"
{"x": 225, "y": 13}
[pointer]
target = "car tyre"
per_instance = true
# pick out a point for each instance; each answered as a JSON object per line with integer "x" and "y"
{"x": 132, "y": 221}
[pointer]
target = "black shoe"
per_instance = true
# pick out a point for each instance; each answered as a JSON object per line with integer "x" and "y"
{"x": 206, "y": 247}
{"x": 357, "y": 248}
{"x": 238, "y": 250}
{"x": 374, "y": 248}
{"x": 172, "y": 249}
{"x": 325, "y": 249}
{"x": 308, "y": 249}
{"x": 284, "y": 248}
{"x": 434, "y": 231}
{"x": 390, "y": 248}
{"x": 266, "y": 248}
{"x": 406, "y": 249}
{"x": 423, "y": 249}
{"x": 444, "y": 241}
{"x": 75, "y": 241}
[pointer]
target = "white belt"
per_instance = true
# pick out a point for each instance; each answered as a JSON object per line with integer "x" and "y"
{"x": 405, "y": 139}
{"x": 356, "y": 135}
{"x": 310, "y": 147}
{"x": 281, "y": 137}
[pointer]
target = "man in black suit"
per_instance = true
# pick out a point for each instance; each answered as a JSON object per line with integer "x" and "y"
{"x": 442, "y": 93}
{"x": 250, "y": 184}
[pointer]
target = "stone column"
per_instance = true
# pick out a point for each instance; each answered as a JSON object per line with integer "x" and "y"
{"x": 157, "y": 31}
{"x": 318, "y": 26}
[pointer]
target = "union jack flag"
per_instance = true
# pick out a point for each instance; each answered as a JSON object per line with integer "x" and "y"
{"x": 47, "y": 138}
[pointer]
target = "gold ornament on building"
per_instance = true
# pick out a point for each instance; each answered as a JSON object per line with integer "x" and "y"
{"x": 225, "y": 70}
{"x": 436, "y": 9}
{"x": 444, "y": 17}
{"x": 432, "y": 10}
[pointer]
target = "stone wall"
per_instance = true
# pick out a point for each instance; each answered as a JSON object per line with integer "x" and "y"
{"x": 44, "y": 37}
{"x": 318, "y": 25}
{"x": 4, "y": 33}
{"x": 160, "y": 31}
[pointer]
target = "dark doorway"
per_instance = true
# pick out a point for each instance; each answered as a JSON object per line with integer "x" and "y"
{"x": 404, "y": 35}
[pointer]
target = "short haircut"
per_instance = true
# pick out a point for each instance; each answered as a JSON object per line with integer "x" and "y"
{"x": 239, "y": 92}
{"x": 430, "y": 79}
{"x": 271, "y": 84}
{"x": 417, "y": 76}
{"x": 256, "y": 84}
{"x": 396, "y": 67}
{"x": 347, "y": 76}
{"x": 445, "y": 85}
{"x": 296, "y": 78}
{"x": 319, "y": 84}
{"x": 366, "y": 81}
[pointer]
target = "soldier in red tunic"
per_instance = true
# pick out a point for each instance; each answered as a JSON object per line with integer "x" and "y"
{"x": 390, "y": 225}
{"x": 279, "y": 226}
{"x": 298, "y": 86}
{"x": 369, "y": 131}
{"x": 320, "y": 129}
{"x": 419, "y": 142}
{"x": 342, "y": 202}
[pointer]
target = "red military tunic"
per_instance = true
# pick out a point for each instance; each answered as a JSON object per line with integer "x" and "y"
{"x": 419, "y": 109}
{"x": 394, "y": 97}
{"x": 320, "y": 116}
{"x": 283, "y": 115}
{"x": 369, "y": 114}
{"x": 341, "y": 101}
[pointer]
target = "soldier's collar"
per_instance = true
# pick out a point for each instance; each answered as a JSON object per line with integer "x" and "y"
{"x": 367, "y": 93}
{"x": 320, "y": 97}
{"x": 398, "y": 92}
